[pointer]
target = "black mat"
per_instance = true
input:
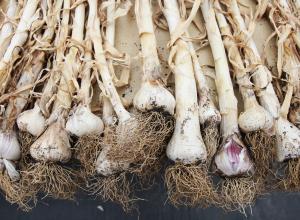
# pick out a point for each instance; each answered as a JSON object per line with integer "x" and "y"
{"x": 279, "y": 206}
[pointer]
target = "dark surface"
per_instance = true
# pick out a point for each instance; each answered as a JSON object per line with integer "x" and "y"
{"x": 277, "y": 206}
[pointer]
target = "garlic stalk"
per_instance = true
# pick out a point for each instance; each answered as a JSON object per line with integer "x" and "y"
{"x": 133, "y": 135}
{"x": 33, "y": 121}
{"x": 104, "y": 166}
{"x": 186, "y": 144}
{"x": 7, "y": 27}
{"x": 152, "y": 95}
{"x": 108, "y": 117}
{"x": 287, "y": 135}
{"x": 187, "y": 181}
{"x": 209, "y": 115}
{"x": 254, "y": 117}
{"x": 17, "y": 41}
{"x": 82, "y": 121}
{"x": 232, "y": 158}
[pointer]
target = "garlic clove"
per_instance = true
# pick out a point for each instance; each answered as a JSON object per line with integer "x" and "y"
{"x": 9, "y": 146}
{"x": 233, "y": 158}
{"x": 106, "y": 167}
{"x": 153, "y": 95}
{"x": 84, "y": 122}
{"x": 11, "y": 170}
{"x": 254, "y": 119}
{"x": 53, "y": 145}
{"x": 288, "y": 140}
{"x": 32, "y": 121}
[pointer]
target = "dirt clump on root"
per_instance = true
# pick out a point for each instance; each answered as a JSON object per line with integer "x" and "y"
{"x": 141, "y": 140}
{"x": 19, "y": 192}
{"x": 87, "y": 150}
{"x": 116, "y": 188}
{"x": 52, "y": 179}
{"x": 239, "y": 193}
{"x": 190, "y": 185}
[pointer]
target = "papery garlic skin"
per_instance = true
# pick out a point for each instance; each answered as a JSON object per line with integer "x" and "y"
{"x": 152, "y": 95}
{"x": 9, "y": 151}
{"x": 288, "y": 140}
{"x": 84, "y": 122}
{"x": 254, "y": 119}
{"x": 53, "y": 145}
{"x": 32, "y": 121}
{"x": 107, "y": 167}
{"x": 9, "y": 146}
{"x": 233, "y": 159}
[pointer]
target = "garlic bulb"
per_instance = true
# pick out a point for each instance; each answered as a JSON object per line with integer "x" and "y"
{"x": 83, "y": 122}
{"x": 153, "y": 95}
{"x": 233, "y": 158}
{"x": 288, "y": 140}
{"x": 255, "y": 118}
{"x": 53, "y": 145}
{"x": 106, "y": 167}
{"x": 32, "y": 121}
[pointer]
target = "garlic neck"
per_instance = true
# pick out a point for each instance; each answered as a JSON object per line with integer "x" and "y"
{"x": 151, "y": 65}
{"x": 107, "y": 113}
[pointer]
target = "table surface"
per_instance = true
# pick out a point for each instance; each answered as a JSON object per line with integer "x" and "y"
{"x": 154, "y": 206}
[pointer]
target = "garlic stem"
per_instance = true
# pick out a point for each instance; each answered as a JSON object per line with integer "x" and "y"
{"x": 108, "y": 118}
{"x": 7, "y": 28}
{"x": 227, "y": 99}
{"x": 71, "y": 65}
{"x": 233, "y": 158}
{"x": 186, "y": 144}
{"x": 208, "y": 112}
{"x": 152, "y": 94}
{"x": 83, "y": 121}
{"x": 93, "y": 28}
{"x": 16, "y": 42}
{"x": 254, "y": 117}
